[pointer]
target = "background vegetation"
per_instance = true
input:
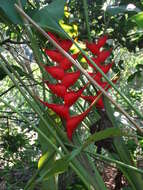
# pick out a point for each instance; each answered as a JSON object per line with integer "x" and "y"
{"x": 35, "y": 152}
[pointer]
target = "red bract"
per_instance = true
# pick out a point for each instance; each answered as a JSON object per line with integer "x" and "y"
{"x": 104, "y": 55}
{"x": 97, "y": 76}
{"x": 71, "y": 97}
{"x": 93, "y": 47}
{"x": 106, "y": 68}
{"x": 54, "y": 55}
{"x": 70, "y": 78}
{"x": 96, "y": 61}
{"x": 53, "y": 36}
{"x": 65, "y": 44}
{"x": 65, "y": 63}
{"x": 74, "y": 121}
{"x": 102, "y": 41}
{"x": 59, "y": 109}
{"x": 57, "y": 89}
{"x": 55, "y": 71}
{"x": 99, "y": 104}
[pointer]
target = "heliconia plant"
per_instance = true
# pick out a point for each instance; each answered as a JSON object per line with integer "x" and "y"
{"x": 66, "y": 79}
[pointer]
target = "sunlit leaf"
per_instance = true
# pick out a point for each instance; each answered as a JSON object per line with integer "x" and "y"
{"x": 138, "y": 18}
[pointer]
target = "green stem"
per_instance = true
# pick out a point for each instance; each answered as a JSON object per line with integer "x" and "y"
{"x": 85, "y": 5}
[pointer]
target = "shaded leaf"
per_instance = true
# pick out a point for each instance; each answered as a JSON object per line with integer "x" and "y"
{"x": 48, "y": 153}
{"x": 7, "y": 9}
{"x": 49, "y": 16}
{"x": 19, "y": 70}
{"x": 110, "y": 132}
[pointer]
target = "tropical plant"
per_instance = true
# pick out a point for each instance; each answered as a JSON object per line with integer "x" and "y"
{"x": 65, "y": 73}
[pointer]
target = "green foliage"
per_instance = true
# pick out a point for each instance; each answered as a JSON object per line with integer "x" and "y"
{"x": 11, "y": 142}
{"x": 56, "y": 153}
{"x": 138, "y": 18}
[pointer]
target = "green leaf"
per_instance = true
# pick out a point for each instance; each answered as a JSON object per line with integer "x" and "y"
{"x": 138, "y": 19}
{"x": 114, "y": 10}
{"x": 130, "y": 78}
{"x": 7, "y": 9}
{"x": 110, "y": 132}
{"x": 136, "y": 77}
{"x": 127, "y": 188}
{"x": 49, "y": 16}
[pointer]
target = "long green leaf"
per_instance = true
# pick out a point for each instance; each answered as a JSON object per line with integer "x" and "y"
{"x": 110, "y": 132}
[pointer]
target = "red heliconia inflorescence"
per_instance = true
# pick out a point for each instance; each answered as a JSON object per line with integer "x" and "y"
{"x": 66, "y": 79}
